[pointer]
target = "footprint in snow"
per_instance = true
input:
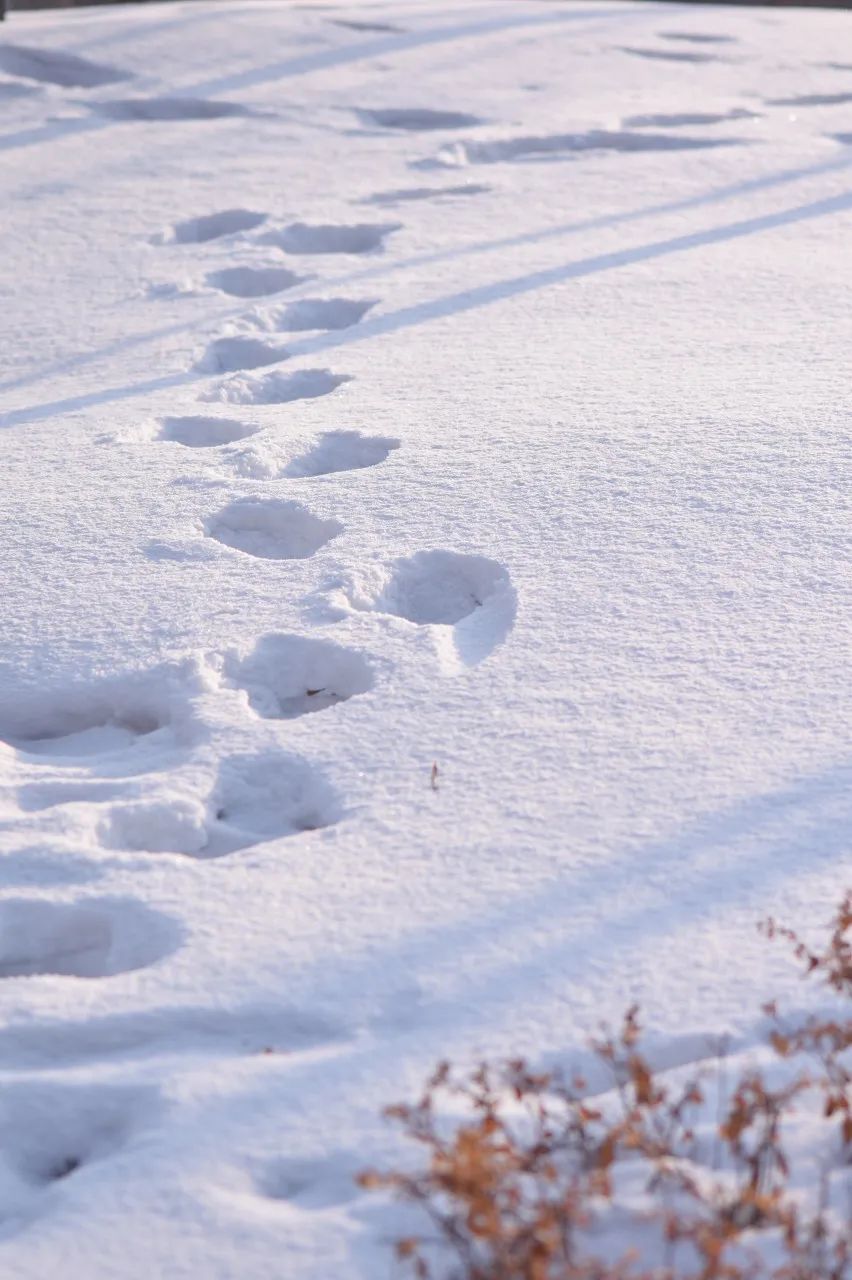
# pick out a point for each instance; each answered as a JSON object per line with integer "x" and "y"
{"x": 696, "y": 37}
{"x": 211, "y": 226}
{"x": 272, "y": 529}
{"x": 416, "y": 119}
{"x": 405, "y": 194}
{"x": 341, "y": 451}
{"x": 468, "y": 600}
{"x": 265, "y": 797}
{"x": 365, "y": 26}
{"x": 311, "y": 313}
{"x": 199, "y": 432}
{"x": 334, "y": 451}
{"x": 287, "y": 676}
{"x": 681, "y": 119}
{"x": 51, "y": 1134}
{"x": 53, "y": 67}
{"x": 301, "y": 238}
{"x": 811, "y": 100}
{"x": 253, "y": 282}
{"x": 157, "y": 110}
{"x": 277, "y": 387}
{"x": 458, "y": 154}
{"x": 310, "y": 1184}
{"x": 123, "y": 722}
{"x": 229, "y": 355}
{"x": 90, "y": 938}
{"x": 672, "y": 55}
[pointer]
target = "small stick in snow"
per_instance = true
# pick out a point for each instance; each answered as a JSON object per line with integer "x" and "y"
{"x": 434, "y": 777}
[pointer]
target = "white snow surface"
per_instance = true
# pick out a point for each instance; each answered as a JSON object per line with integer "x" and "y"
{"x": 385, "y": 385}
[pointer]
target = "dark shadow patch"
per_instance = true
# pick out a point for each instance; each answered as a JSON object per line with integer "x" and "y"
{"x": 416, "y": 119}
{"x": 53, "y": 67}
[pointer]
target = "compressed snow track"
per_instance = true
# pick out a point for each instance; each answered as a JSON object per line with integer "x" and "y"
{"x": 425, "y": 579}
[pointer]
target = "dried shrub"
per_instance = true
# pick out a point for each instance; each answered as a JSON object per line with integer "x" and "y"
{"x": 523, "y": 1169}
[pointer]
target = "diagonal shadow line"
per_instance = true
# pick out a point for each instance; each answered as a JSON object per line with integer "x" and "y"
{"x": 601, "y": 221}
{"x": 472, "y": 299}
{"x": 40, "y": 411}
{"x": 729, "y": 192}
{"x": 400, "y": 43}
{"x": 70, "y": 364}
{"x": 814, "y": 812}
{"x": 49, "y": 130}
{"x": 485, "y": 295}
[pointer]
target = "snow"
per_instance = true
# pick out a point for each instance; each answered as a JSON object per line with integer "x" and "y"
{"x": 383, "y": 387}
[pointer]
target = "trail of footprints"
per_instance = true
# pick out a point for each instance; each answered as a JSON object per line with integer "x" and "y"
{"x": 109, "y": 749}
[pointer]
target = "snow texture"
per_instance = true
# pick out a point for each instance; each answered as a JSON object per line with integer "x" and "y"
{"x": 382, "y": 388}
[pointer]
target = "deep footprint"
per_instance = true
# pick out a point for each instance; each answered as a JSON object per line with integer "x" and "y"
{"x": 361, "y": 237}
{"x": 289, "y": 676}
{"x": 253, "y": 282}
{"x": 94, "y": 938}
{"x": 341, "y": 451}
{"x": 416, "y": 119}
{"x": 278, "y": 388}
{"x": 272, "y": 528}
{"x": 200, "y": 432}
{"x": 213, "y": 226}
{"x": 469, "y": 598}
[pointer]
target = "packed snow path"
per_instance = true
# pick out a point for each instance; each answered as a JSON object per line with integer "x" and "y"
{"x": 385, "y": 386}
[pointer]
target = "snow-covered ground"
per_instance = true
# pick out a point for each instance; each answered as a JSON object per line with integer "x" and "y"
{"x": 476, "y": 377}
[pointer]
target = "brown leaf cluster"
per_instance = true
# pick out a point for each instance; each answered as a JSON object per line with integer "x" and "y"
{"x": 520, "y": 1187}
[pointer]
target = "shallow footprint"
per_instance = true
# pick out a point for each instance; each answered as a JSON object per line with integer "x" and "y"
{"x": 91, "y": 938}
{"x": 361, "y": 237}
{"x": 51, "y": 1133}
{"x": 253, "y": 282}
{"x": 272, "y": 528}
{"x": 341, "y": 451}
{"x": 277, "y": 388}
{"x": 286, "y": 676}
